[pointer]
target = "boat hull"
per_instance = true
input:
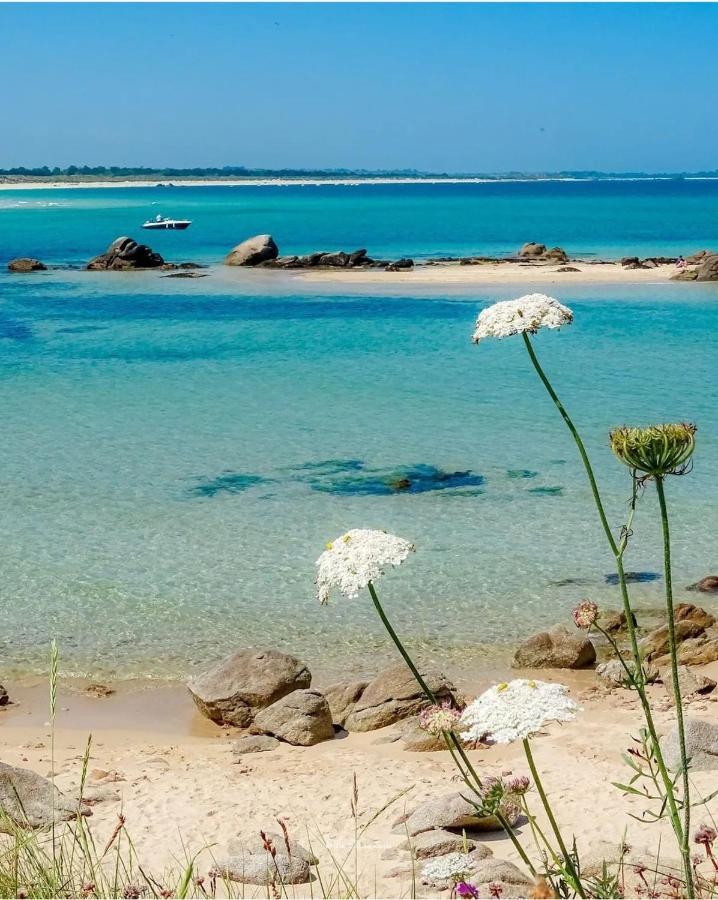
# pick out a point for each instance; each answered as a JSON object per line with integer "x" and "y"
{"x": 166, "y": 226}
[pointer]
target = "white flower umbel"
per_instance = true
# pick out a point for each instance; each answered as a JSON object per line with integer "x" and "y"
{"x": 514, "y": 711}
{"x": 353, "y": 560}
{"x": 527, "y": 314}
{"x": 451, "y": 867}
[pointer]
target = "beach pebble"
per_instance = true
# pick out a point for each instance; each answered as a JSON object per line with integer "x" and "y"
{"x": 254, "y": 743}
{"x": 415, "y": 739}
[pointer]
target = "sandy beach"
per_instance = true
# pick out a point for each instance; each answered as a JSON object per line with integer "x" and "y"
{"x": 495, "y": 273}
{"x": 174, "y": 778}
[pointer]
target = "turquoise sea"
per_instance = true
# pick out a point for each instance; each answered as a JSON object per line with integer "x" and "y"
{"x": 176, "y": 453}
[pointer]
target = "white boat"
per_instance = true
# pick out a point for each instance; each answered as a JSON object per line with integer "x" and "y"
{"x": 165, "y": 223}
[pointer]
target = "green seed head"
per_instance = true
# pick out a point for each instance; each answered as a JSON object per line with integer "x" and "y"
{"x": 657, "y": 450}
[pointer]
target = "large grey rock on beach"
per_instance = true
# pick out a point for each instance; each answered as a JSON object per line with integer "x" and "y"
{"x": 342, "y": 697}
{"x": 701, "y": 746}
{"x": 125, "y": 253}
{"x": 394, "y": 695}
{"x": 689, "y": 682}
{"x": 253, "y": 251}
{"x": 439, "y": 842}
{"x": 26, "y": 264}
{"x": 302, "y": 718}
{"x": 233, "y": 691}
{"x": 30, "y": 800}
{"x": 450, "y": 811}
{"x": 249, "y": 862}
{"x": 556, "y": 648}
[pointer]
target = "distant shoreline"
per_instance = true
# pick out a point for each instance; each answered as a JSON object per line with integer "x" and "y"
{"x": 6, "y": 184}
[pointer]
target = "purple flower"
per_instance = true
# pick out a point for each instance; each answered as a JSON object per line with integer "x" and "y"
{"x": 465, "y": 889}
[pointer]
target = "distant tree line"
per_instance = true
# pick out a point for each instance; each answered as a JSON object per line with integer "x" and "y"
{"x": 245, "y": 172}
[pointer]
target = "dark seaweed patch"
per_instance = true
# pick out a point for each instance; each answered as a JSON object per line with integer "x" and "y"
{"x": 565, "y": 582}
{"x": 547, "y": 491}
{"x": 521, "y": 473}
{"x": 328, "y": 467}
{"x": 403, "y": 480}
{"x": 227, "y": 483}
{"x": 612, "y": 578}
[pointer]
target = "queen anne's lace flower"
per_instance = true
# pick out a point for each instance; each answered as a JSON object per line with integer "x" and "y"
{"x": 353, "y": 560}
{"x": 527, "y": 314}
{"x": 513, "y": 711}
{"x": 451, "y": 867}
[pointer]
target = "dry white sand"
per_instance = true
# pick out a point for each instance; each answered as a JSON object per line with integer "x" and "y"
{"x": 178, "y": 781}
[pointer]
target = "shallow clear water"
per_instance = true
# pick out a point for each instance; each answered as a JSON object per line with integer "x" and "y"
{"x": 176, "y": 454}
{"x": 607, "y": 219}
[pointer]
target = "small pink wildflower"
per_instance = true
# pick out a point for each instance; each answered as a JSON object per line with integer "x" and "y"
{"x": 518, "y": 785}
{"x": 466, "y": 890}
{"x": 496, "y": 889}
{"x": 437, "y": 719}
{"x": 585, "y": 614}
{"x": 705, "y": 835}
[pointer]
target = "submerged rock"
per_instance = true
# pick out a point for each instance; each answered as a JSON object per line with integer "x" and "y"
{"x": 302, "y": 718}
{"x": 407, "y": 479}
{"x": 395, "y": 695}
{"x": 227, "y": 483}
{"x": 237, "y": 688}
{"x": 26, "y": 264}
{"x": 556, "y": 648}
{"x": 253, "y": 251}
{"x": 632, "y": 577}
{"x": 124, "y": 253}
{"x": 32, "y": 801}
{"x": 707, "y": 585}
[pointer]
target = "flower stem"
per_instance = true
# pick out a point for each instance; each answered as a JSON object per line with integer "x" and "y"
{"x": 452, "y": 741}
{"x": 673, "y": 648}
{"x": 618, "y": 549}
{"x": 568, "y": 860}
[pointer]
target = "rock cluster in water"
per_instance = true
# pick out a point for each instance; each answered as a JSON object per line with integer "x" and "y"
{"x": 126, "y": 254}
{"x": 26, "y": 264}
{"x": 262, "y": 251}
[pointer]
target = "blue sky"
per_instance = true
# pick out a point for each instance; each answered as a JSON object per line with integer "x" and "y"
{"x": 443, "y": 87}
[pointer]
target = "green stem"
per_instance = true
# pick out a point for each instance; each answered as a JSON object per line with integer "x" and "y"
{"x": 685, "y": 848}
{"x": 452, "y": 741}
{"x": 568, "y": 859}
{"x": 618, "y": 550}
